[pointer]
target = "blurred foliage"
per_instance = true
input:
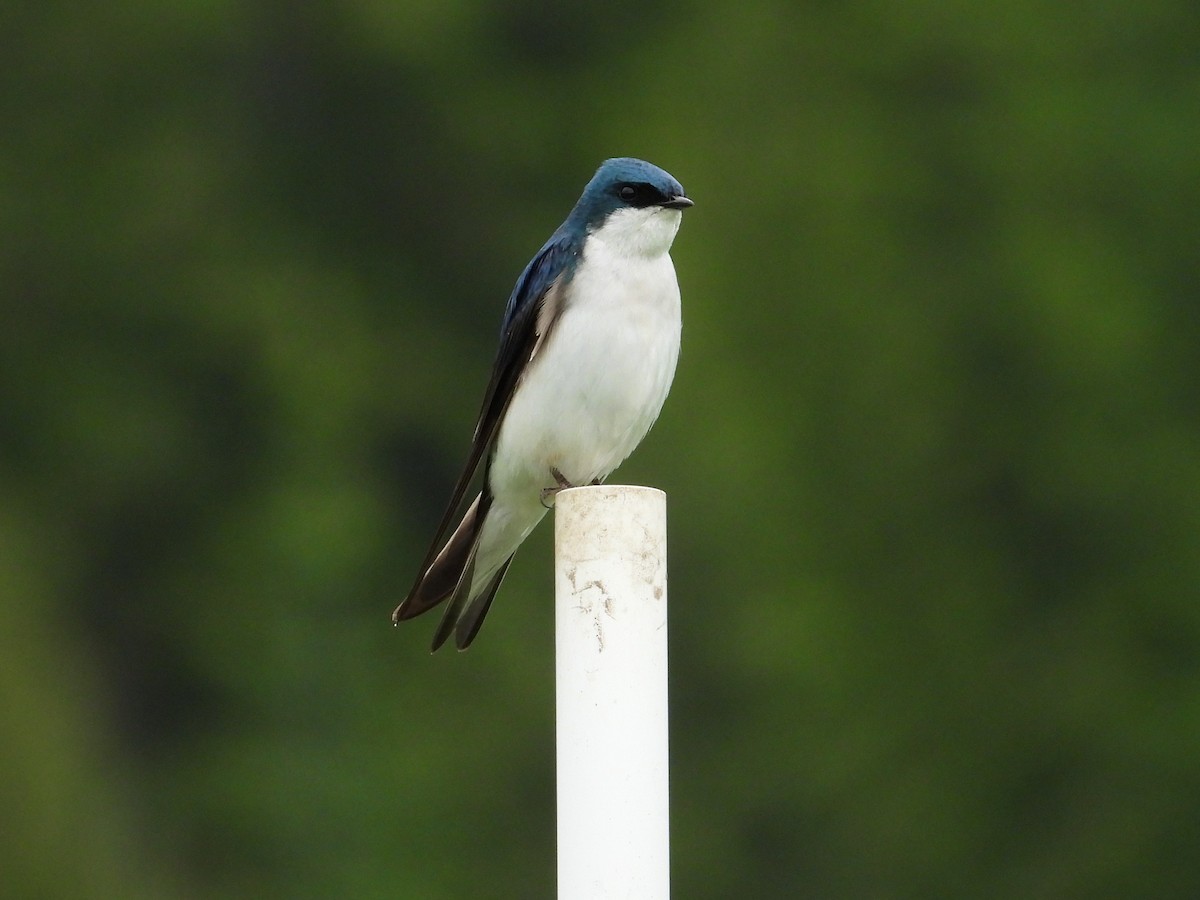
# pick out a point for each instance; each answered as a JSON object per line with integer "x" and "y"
{"x": 933, "y": 451}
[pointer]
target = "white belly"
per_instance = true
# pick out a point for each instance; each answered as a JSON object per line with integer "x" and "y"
{"x": 599, "y": 381}
{"x": 594, "y": 388}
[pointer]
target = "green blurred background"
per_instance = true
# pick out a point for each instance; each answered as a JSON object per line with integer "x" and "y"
{"x": 932, "y": 453}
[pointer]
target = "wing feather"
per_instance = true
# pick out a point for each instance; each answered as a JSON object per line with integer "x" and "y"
{"x": 536, "y": 301}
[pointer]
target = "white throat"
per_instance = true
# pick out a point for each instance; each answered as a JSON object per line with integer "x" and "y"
{"x": 639, "y": 232}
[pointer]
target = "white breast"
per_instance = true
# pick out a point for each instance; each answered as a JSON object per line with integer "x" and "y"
{"x": 600, "y": 379}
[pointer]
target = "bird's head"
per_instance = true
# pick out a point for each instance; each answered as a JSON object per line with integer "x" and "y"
{"x": 634, "y": 203}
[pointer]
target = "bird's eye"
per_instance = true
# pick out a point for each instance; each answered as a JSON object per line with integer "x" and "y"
{"x": 638, "y": 194}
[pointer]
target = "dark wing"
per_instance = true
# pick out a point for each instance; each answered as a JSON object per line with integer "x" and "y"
{"x": 525, "y": 323}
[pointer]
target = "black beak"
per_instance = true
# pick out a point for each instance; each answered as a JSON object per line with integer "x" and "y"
{"x": 680, "y": 202}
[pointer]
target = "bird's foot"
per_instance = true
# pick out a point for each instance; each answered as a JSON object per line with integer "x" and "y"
{"x": 561, "y": 483}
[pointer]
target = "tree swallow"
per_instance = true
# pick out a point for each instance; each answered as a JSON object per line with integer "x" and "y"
{"x": 588, "y": 348}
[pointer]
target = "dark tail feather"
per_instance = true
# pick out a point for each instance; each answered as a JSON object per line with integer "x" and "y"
{"x": 471, "y": 621}
{"x": 458, "y": 599}
{"x": 446, "y": 571}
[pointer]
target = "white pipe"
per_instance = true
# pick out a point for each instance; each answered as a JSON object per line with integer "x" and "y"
{"x": 611, "y": 684}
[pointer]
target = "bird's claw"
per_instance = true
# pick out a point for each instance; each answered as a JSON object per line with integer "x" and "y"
{"x": 548, "y": 494}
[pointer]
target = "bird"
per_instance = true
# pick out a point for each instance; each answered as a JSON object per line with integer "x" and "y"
{"x": 588, "y": 347}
